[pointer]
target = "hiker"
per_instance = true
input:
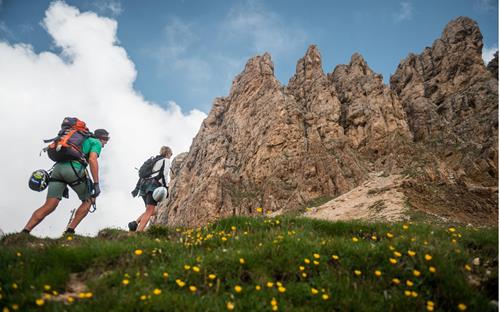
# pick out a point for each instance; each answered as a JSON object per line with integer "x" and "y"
{"x": 74, "y": 174}
{"x": 154, "y": 173}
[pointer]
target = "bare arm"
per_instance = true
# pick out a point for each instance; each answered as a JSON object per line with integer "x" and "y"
{"x": 94, "y": 166}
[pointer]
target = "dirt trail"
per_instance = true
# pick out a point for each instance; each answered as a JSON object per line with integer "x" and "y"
{"x": 378, "y": 199}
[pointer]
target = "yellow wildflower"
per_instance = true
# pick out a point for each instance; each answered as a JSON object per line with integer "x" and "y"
{"x": 393, "y": 261}
{"x": 390, "y": 235}
{"x": 396, "y": 281}
{"x": 374, "y": 237}
{"x": 157, "y": 291}
{"x": 233, "y": 228}
{"x": 407, "y": 293}
{"x": 405, "y": 226}
{"x": 316, "y": 262}
{"x": 14, "y": 286}
{"x": 355, "y": 239}
{"x": 430, "y": 308}
{"x": 270, "y": 284}
{"x": 281, "y": 289}
{"x": 428, "y": 257}
{"x": 397, "y": 254}
{"x": 143, "y": 297}
{"x": 357, "y": 272}
{"x": 125, "y": 282}
{"x": 138, "y": 252}
{"x": 452, "y": 229}
{"x": 238, "y": 288}
{"x": 19, "y": 254}
{"x": 335, "y": 257}
{"x": 301, "y": 268}
{"x": 88, "y": 295}
{"x": 192, "y": 288}
{"x": 40, "y": 302}
{"x": 414, "y": 294}
{"x": 416, "y": 273}
{"x": 225, "y": 239}
{"x": 70, "y": 299}
{"x": 165, "y": 274}
{"x": 274, "y": 302}
{"x": 242, "y": 261}
{"x": 432, "y": 269}
{"x": 467, "y": 267}
{"x": 378, "y": 273}
{"x": 46, "y": 287}
{"x": 304, "y": 275}
{"x": 180, "y": 283}
{"x": 316, "y": 256}
{"x": 325, "y": 297}
{"x": 409, "y": 283}
{"x": 462, "y": 307}
{"x": 307, "y": 261}
{"x": 259, "y": 210}
{"x": 70, "y": 238}
{"x": 187, "y": 267}
{"x": 196, "y": 269}
{"x": 411, "y": 253}
{"x": 212, "y": 276}
{"x": 257, "y": 287}
{"x": 314, "y": 291}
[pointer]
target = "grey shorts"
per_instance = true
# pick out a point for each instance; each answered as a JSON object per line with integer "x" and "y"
{"x": 65, "y": 175}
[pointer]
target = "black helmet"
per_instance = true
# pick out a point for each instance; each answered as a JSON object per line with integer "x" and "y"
{"x": 39, "y": 180}
{"x": 101, "y": 134}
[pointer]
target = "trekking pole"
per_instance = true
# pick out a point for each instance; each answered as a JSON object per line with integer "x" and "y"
{"x": 90, "y": 189}
{"x": 71, "y": 217}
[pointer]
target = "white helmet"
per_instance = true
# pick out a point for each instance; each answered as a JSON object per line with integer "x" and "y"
{"x": 160, "y": 193}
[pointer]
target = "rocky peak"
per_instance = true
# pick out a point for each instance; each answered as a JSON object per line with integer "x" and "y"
{"x": 447, "y": 88}
{"x": 463, "y": 30}
{"x": 370, "y": 111}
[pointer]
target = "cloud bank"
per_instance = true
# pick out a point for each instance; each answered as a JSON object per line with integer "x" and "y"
{"x": 91, "y": 78}
{"x": 489, "y": 53}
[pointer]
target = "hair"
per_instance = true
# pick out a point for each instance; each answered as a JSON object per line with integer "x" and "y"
{"x": 164, "y": 150}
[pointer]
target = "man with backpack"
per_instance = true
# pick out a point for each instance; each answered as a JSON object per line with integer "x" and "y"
{"x": 154, "y": 173}
{"x": 71, "y": 170}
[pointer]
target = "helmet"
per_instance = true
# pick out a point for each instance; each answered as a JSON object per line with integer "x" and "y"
{"x": 39, "y": 180}
{"x": 160, "y": 193}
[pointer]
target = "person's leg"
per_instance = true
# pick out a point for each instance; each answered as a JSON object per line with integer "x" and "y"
{"x": 145, "y": 217}
{"x": 47, "y": 208}
{"x": 80, "y": 213}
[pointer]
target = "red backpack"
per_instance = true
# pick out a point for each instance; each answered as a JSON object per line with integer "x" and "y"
{"x": 67, "y": 145}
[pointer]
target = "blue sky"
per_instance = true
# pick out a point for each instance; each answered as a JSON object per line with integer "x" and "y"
{"x": 189, "y": 51}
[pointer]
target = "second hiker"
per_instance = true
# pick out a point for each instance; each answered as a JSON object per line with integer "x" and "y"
{"x": 154, "y": 173}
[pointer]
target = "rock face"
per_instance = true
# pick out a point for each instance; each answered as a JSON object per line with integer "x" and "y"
{"x": 493, "y": 66}
{"x": 280, "y": 147}
{"x": 447, "y": 88}
{"x": 371, "y": 112}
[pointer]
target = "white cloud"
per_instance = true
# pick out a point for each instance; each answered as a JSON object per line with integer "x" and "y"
{"x": 112, "y": 6}
{"x": 485, "y": 5}
{"x": 405, "y": 12}
{"x": 264, "y": 29}
{"x": 5, "y": 31}
{"x": 488, "y": 53}
{"x": 93, "y": 80}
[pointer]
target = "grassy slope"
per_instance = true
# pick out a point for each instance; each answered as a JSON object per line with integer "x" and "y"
{"x": 273, "y": 250}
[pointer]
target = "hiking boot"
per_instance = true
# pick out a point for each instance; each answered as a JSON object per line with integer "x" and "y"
{"x": 69, "y": 231}
{"x": 132, "y": 226}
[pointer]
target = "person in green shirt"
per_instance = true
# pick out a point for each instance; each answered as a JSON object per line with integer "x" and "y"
{"x": 73, "y": 173}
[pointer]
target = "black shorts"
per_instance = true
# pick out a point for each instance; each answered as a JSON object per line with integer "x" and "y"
{"x": 149, "y": 200}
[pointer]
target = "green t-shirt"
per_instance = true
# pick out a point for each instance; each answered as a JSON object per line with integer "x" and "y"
{"x": 88, "y": 146}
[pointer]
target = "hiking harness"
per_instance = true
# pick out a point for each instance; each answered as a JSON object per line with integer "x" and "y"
{"x": 85, "y": 179}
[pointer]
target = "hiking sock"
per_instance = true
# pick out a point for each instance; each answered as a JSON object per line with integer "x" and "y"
{"x": 69, "y": 231}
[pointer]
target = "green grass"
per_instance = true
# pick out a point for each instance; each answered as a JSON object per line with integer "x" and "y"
{"x": 274, "y": 250}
